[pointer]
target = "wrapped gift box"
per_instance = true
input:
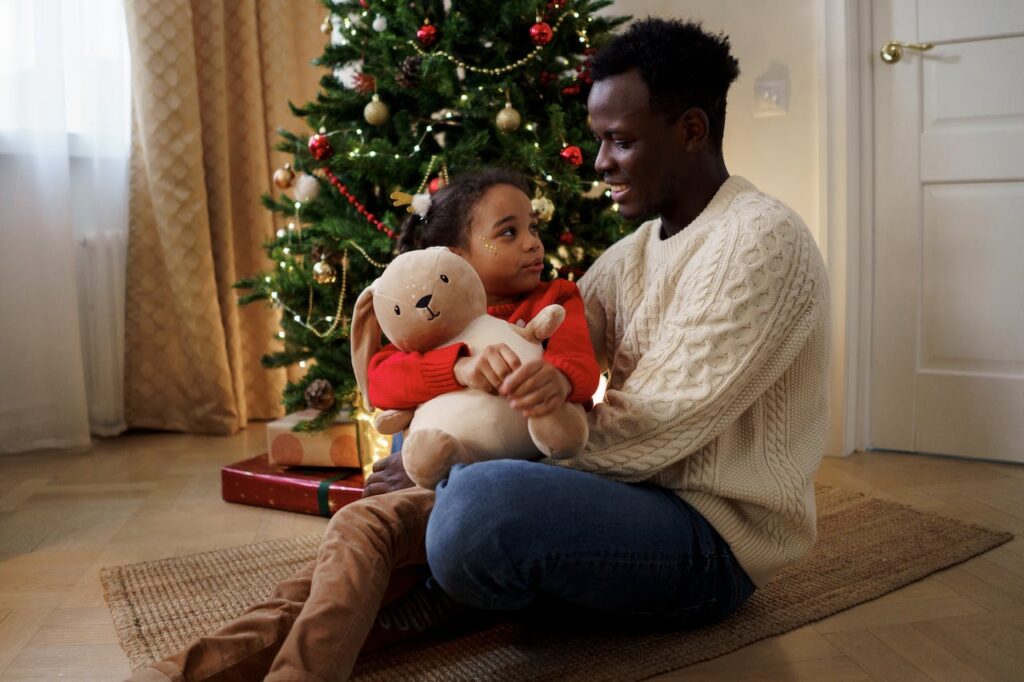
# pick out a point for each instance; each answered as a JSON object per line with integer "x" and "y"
{"x": 349, "y": 442}
{"x": 311, "y": 491}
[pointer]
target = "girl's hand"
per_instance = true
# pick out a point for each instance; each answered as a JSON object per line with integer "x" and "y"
{"x": 388, "y": 475}
{"x": 486, "y": 370}
{"x": 536, "y": 389}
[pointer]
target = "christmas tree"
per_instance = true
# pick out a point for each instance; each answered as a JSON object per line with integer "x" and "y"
{"x": 417, "y": 91}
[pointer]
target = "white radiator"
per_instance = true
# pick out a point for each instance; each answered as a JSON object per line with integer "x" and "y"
{"x": 100, "y": 264}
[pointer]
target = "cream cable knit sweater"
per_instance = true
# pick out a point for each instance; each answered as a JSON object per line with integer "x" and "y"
{"x": 717, "y": 344}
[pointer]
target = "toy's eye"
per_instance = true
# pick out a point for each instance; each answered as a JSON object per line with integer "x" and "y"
{"x": 398, "y": 311}
{"x": 444, "y": 278}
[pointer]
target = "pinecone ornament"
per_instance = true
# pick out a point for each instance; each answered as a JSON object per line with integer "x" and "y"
{"x": 409, "y": 71}
{"x": 319, "y": 394}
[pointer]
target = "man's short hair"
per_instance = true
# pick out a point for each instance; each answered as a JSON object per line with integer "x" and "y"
{"x": 682, "y": 65}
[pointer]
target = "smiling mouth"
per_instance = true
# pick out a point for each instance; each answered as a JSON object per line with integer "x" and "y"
{"x": 618, "y": 188}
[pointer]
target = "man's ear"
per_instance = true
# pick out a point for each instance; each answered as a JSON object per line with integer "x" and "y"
{"x": 692, "y": 127}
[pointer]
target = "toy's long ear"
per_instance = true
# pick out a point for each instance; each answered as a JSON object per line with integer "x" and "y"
{"x": 364, "y": 338}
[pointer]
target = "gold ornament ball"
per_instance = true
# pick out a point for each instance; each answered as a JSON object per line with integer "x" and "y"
{"x": 324, "y": 273}
{"x": 544, "y": 207}
{"x": 284, "y": 177}
{"x": 508, "y": 119}
{"x": 376, "y": 112}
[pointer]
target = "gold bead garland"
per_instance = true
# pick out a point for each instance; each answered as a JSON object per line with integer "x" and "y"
{"x": 491, "y": 72}
{"x": 339, "y": 313}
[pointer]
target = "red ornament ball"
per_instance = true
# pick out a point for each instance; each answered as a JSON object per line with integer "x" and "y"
{"x": 320, "y": 147}
{"x": 556, "y": 4}
{"x": 567, "y": 238}
{"x": 572, "y": 156}
{"x": 541, "y": 33}
{"x": 435, "y": 184}
{"x": 570, "y": 90}
{"x": 364, "y": 4}
{"x": 427, "y": 35}
{"x": 547, "y": 78}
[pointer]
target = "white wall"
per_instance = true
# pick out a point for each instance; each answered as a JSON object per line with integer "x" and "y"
{"x": 778, "y": 154}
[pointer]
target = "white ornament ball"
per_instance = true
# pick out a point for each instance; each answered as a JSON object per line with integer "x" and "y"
{"x": 306, "y": 188}
{"x": 380, "y": 23}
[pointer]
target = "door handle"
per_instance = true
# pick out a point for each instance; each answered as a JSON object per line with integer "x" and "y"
{"x": 892, "y": 51}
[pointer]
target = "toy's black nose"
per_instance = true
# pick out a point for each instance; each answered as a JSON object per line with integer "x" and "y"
{"x": 423, "y": 302}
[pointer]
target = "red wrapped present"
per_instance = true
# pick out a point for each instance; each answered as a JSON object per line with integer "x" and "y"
{"x": 311, "y": 491}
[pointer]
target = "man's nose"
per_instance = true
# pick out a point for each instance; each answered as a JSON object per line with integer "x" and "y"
{"x": 603, "y": 162}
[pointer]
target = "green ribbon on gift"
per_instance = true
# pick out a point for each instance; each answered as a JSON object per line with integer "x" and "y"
{"x": 323, "y": 495}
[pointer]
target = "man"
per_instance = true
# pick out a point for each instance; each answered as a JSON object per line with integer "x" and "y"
{"x": 712, "y": 322}
{"x": 697, "y": 483}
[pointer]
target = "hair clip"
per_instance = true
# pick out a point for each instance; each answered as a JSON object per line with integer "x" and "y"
{"x": 417, "y": 203}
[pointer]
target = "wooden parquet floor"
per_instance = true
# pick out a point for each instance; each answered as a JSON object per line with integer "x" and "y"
{"x": 64, "y": 515}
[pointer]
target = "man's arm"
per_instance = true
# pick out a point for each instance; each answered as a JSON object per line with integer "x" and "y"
{"x": 714, "y": 353}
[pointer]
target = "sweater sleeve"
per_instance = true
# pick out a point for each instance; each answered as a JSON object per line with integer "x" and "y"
{"x": 569, "y": 348}
{"x": 595, "y": 310}
{"x": 743, "y": 309}
{"x": 399, "y": 381}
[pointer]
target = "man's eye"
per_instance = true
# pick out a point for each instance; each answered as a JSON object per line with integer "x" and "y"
{"x": 622, "y": 144}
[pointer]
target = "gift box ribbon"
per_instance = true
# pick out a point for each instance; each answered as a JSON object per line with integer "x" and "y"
{"x": 323, "y": 492}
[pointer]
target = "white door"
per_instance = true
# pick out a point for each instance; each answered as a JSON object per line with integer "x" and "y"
{"x": 947, "y": 358}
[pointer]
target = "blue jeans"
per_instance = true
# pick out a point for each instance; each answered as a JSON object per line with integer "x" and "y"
{"x": 509, "y": 534}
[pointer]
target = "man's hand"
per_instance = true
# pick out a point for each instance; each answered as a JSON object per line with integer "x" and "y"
{"x": 536, "y": 388}
{"x": 388, "y": 475}
{"x": 486, "y": 370}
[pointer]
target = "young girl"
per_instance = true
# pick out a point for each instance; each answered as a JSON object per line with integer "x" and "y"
{"x": 315, "y": 623}
{"x": 487, "y": 218}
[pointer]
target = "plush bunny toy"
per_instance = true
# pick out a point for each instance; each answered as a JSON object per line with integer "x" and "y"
{"x": 431, "y": 298}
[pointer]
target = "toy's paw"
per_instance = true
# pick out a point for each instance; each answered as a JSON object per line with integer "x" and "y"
{"x": 392, "y": 421}
{"x": 546, "y": 322}
{"x": 428, "y": 456}
{"x": 562, "y": 433}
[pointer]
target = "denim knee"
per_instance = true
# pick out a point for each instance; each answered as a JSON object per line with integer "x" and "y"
{"x": 473, "y": 545}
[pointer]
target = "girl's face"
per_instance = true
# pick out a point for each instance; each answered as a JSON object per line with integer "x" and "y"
{"x": 504, "y": 247}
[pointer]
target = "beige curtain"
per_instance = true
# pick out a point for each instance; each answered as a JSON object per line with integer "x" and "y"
{"x": 211, "y": 81}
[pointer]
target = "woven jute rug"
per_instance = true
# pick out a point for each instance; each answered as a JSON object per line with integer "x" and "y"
{"x": 866, "y": 548}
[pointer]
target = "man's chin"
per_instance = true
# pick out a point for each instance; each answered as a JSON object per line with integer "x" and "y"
{"x": 632, "y": 212}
